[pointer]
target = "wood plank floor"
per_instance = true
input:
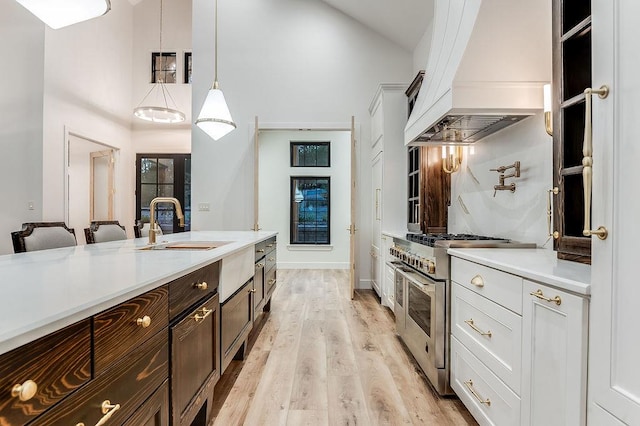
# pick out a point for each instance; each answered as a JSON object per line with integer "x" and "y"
{"x": 323, "y": 359}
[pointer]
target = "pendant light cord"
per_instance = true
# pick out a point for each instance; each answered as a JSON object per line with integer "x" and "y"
{"x": 215, "y": 75}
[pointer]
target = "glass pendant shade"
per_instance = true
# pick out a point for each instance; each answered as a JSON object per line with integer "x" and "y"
{"x": 215, "y": 118}
{"x": 61, "y": 13}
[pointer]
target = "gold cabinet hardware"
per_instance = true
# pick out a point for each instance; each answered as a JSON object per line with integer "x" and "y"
{"x": 108, "y": 410}
{"x": 272, "y": 282}
{"x": 469, "y": 384}
{"x": 554, "y": 191}
{"x": 144, "y": 322}
{"x": 352, "y": 229}
{"x": 540, "y": 295}
{"x": 587, "y": 162}
{"x": 252, "y": 290}
{"x": 478, "y": 281}
{"x": 25, "y": 391}
{"x": 259, "y": 265}
{"x": 270, "y": 245}
{"x": 201, "y": 286}
{"x": 475, "y": 328}
{"x": 271, "y": 259}
{"x": 260, "y": 250}
{"x": 201, "y": 316}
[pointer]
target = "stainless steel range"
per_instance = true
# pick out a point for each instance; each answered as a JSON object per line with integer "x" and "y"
{"x": 423, "y": 296}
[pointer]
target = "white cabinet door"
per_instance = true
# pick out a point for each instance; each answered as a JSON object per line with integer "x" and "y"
{"x": 554, "y": 356}
{"x": 376, "y": 225}
{"x": 614, "y": 351}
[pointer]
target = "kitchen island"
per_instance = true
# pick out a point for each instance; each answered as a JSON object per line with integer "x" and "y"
{"x": 87, "y": 332}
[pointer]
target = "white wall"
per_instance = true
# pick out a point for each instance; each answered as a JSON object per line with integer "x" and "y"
{"x": 274, "y": 177}
{"x": 88, "y": 91}
{"x": 21, "y": 89}
{"x": 284, "y": 61}
{"x": 521, "y": 215}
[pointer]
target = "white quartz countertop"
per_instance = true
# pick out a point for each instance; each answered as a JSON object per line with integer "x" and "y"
{"x": 44, "y": 291}
{"x": 539, "y": 265}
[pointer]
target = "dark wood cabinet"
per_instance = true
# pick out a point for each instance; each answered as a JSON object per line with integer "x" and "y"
{"x": 155, "y": 411}
{"x": 571, "y": 75}
{"x": 237, "y": 321}
{"x": 57, "y": 365}
{"x": 195, "y": 366}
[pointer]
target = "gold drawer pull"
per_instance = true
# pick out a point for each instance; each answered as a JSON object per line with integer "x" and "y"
{"x": 25, "y": 391}
{"x": 260, "y": 251}
{"x": 107, "y": 409}
{"x": 201, "y": 286}
{"x": 540, "y": 295}
{"x": 271, "y": 259}
{"x": 478, "y": 281}
{"x": 205, "y": 313}
{"x": 475, "y": 327}
{"x": 272, "y": 282}
{"x": 469, "y": 384}
{"x": 252, "y": 290}
{"x": 269, "y": 245}
{"x": 259, "y": 265}
{"x": 144, "y": 322}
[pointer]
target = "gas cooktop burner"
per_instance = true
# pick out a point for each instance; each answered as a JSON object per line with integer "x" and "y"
{"x": 430, "y": 239}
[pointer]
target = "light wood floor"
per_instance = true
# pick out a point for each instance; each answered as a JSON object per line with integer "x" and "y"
{"x": 323, "y": 359}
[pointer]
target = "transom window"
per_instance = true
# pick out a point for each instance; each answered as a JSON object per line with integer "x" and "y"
{"x": 163, "y": 68}
{"x": 310, "y": 154}
{"x": 310, "y": 213}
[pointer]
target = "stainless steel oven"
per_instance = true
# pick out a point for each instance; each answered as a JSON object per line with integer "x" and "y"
{"x": 424, "y": 323}
{"x": 399, "y": 300}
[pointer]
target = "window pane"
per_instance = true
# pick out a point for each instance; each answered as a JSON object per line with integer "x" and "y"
{"x": 148, "y": 193}
{"x": 148, "y": 170}
{"x": 310, "y": 210}
{"x": 165, "y": 190}
{"x": 165, "y": 170}
{"x": 310, "y": 154}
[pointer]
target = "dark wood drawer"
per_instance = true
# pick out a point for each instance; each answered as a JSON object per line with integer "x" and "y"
{"x": 58, "y": 364}
{"x": 187, "y": 290}
{"x": 260, "y": 250}
{"x": 194, "y": 358}
{"x": 236, "y": 321}
{"x": 258, "y": 287}
{"x": 270, "y": 245}
{"x": 124, "y": 327}
{"x": 270, "y": 260}
{"x": 270, "y": 281}
{"x": 129, "y": 383}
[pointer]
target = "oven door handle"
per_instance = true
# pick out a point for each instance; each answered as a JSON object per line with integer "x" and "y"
{"x": 425, "y": 288}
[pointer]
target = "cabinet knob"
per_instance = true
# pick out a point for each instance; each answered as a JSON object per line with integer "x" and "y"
{"x": 201, "y": 286}
{"x": 25, "y": 391}
{"x": 144, "y": 322}
{"x": 272, "y": 281}
{"x": 478, "y": 281}
{"x": 107, "y": 409}
{"x": 252, "y": 290}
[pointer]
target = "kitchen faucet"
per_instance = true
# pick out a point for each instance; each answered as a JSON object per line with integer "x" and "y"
{"x": 502, "y": 186}
{"x": 154, "y": 225}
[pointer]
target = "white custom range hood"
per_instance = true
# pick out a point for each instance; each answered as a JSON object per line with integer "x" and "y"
{"x": 488, "y": 62}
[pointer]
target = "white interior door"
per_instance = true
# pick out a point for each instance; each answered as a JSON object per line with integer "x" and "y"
{"x": 102, "y": 185}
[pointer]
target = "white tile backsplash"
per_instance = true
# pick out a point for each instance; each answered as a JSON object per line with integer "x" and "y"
{"x": 521, "y": 215}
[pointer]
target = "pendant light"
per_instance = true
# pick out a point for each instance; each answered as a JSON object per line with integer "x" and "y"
{"x": 215, "y": 118}
{"x": 158, "y": 105}
{"x": 60, "y": 13}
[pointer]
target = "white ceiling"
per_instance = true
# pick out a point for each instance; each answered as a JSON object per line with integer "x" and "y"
{"x": 401, "y": 21}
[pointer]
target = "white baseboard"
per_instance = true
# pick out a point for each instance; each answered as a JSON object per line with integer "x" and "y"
{"x": 314, "y": 265}
{"x": 364, "y": 285}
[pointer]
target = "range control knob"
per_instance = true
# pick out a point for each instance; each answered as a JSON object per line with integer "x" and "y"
{"x": 432, "y": 267}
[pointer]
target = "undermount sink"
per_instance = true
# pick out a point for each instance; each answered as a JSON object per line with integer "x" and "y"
{"x": 186, "y": 245}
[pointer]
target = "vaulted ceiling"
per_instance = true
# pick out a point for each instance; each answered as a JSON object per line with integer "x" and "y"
{"x": 401, "y": 21}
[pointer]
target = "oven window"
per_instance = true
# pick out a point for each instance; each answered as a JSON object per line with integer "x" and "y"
{"x": 420, "y": 308}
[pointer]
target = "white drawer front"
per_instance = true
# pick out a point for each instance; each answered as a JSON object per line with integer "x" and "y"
{"x": 468, "y": 375}
{"x": 473, "y": 318}
{"x": 501, "y": 287}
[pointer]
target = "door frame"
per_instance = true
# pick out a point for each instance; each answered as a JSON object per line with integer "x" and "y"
{"x": 351, "y": 126}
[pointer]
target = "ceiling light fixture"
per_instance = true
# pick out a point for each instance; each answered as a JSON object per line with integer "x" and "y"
{"x": 159, "y": 110}
{"x": 60, "y": 13}
{"x": 215, "y": 118}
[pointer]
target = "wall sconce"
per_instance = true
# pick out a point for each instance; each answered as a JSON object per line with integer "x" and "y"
{"x": 548, "y": 118}
{"x": 451, "y": 161}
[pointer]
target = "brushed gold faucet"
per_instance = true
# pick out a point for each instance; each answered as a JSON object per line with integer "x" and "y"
{"x": 154, "y": 225}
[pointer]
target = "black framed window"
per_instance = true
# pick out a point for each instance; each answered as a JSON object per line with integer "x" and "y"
{"x": 310, "y": 154}
{"x": 163, "y": 68}
{"x": 310, "y": 210}
{"x": 164, "y": 175}
{"x": 187, "y": 67}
